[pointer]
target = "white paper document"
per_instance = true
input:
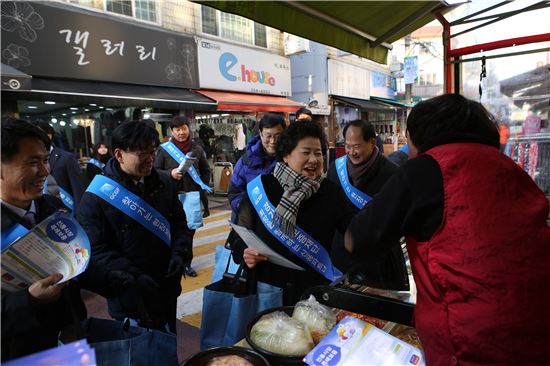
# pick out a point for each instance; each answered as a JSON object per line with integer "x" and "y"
{"x": 253, "y": 241}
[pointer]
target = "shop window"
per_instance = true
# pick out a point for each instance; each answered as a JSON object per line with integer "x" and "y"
{"x": 123, "y": 7}
{"x": 139, "y": 9}
{"x": 260, "y": 36}
{"x": 209, "y": 21}
{"x": 233, "y": 27}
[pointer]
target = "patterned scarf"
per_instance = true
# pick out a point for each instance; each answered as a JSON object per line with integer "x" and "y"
{"x": 297, "y": 188}
{"x": 184, "y": 146}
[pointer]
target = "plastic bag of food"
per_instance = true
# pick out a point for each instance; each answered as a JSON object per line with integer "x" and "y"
{"x": 319, "y": 318}
{"x": 279, "y": 333}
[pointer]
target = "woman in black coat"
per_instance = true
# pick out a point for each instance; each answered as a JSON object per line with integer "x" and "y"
{"x": 304, "y": 199}
{"x": 96, "y": 164}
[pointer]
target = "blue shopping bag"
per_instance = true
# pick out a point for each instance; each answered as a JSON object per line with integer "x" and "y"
{"x": 192, "y": 206}
{"x": 221, "y": 259}
{"x": 117, "y": 343}
{"x": 230, "y": 303}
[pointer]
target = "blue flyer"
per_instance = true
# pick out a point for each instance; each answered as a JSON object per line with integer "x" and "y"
{"x": 355, "y": 342}
{"x": 56, "y": 245}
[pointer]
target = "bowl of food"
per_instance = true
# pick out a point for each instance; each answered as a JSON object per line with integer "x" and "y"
{"x": 279, "y": 337}
{"x": 224, "y": 356}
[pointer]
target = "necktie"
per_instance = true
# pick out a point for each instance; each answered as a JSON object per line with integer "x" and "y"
{"x": 30, "y": 219}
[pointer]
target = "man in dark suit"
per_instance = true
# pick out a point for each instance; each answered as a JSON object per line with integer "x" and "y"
{"x": 367, "y": 171}
{"x": 33, "y": 317}
{"x": 64, "y": 167}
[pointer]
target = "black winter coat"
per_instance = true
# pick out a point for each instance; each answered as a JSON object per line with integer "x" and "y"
{"x": 388, "y": 272}
{"x": 66, "y": 171}
{"x": 165, "y": 163}
{"x": 120, "y": 243}
{"x": 28, "y": 327}
{"x": 320, "y": 216}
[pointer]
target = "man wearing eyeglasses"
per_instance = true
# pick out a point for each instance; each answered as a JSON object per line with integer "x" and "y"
{"x": 259, "y": 158}
{"x": 136, "y": 226}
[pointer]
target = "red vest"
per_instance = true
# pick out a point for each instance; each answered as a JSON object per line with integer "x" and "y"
{"x": 483, "y": 279}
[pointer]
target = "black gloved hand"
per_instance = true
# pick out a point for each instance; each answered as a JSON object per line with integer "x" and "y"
{"x": 176, "y": 266}
{"x": 118, "y": 280}
{"x": 150, "y": 309}
{"x": 147, "y": 285}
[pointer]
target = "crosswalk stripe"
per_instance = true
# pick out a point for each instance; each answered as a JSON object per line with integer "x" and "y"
{"x": 212, "y": 234}
{"x": 208, "y": 239}
{"x": 209, "y": 231}
{"x": 207, "y": 248}
{"x": 216, "y": 216}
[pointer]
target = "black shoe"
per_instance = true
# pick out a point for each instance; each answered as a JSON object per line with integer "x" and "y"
{"x": 190, "y": 271}
{"x": 206, "y": 213}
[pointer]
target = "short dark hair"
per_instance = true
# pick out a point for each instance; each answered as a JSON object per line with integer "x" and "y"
{"x": 44, "y": 126}
{"x": 271, "y": 120}
{"x": 304, "y": 110}
{"x": 451, "y": 118}
{"x": 97, "y": 146}
{"x": 134, "y": 136}
{"x": 296, "y": 132}
{"x": 13, "y": 131}
{"x": 179, "y": 121}
{"x": 367, "y": 129}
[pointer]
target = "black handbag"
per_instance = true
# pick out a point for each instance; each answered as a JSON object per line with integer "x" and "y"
{"x": 240, "y": 283}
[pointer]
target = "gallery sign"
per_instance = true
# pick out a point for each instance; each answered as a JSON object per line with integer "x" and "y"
{"x": 50, "y": 40}
{"x": 227, "y": 67}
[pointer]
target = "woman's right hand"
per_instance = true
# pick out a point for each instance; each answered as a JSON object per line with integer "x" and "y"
{"x": 176, "y": 174}
{"x": 252, "y": 258}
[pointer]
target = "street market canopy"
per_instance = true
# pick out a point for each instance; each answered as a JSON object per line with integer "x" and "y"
{"x": 115, "y": 94}
{"x": 362, "y": 103}
{"x": 13, "y": 79}
{"x": 364, "y": 28}
{"x": 532, "y": 86}
{"x": 250, "y": 102}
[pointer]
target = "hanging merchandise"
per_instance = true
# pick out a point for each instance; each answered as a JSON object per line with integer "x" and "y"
{"x": 533, "y": 159}
{"x": 482, "y": 75}
{"x": 521, "y": 156}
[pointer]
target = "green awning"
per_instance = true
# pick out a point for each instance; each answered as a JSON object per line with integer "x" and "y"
{"x": 400, "y": 103}
{"x": 364, "y": 28}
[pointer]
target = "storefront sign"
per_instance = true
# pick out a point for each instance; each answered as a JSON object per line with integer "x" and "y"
{"x": 381, "y": 85}
{"x": 531, "y": 125}
{"x": 294, "y": 44}
{"x": 348, "y": 80}
{"x": 227, "y": 67}
{"x": 52, "y": 41}
{"x": 410, "y": 69}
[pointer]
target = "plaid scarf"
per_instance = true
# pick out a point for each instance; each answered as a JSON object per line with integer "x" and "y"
{"x": 297, "y": 188}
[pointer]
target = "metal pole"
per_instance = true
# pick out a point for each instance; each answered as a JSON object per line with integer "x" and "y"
{"x": 408, "y": 87}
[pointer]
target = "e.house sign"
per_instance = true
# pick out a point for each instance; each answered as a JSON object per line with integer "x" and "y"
{"x": 233, "y": 68}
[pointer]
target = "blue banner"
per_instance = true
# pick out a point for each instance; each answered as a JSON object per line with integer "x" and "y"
{"x": 302, "y": 244}
{"x": 11, "y": 234}
{"x": 356, "y": 196}
{"x": 180, "y": 157}
{"x": 65, "y": 197}
{"x": 97, "y": 163}
{"x": 131, "y": 205}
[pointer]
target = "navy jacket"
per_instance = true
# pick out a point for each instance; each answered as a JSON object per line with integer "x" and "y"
{"x": 66, "y": 171}
{"x": 120, "y": 243}
{"x": 28, "y": 327}
{"x": 253, "y": 163}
